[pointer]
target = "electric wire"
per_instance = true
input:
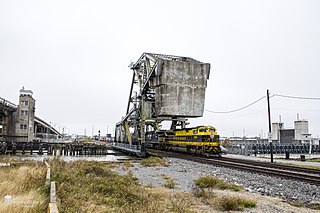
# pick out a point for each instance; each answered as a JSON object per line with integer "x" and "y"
{"x": 274, "y": 95}
{"x": 286, "y": 109}
{"x": 236, "y": 110}
{"x": 295, "y": 97}
{"x": 233, "y": 116}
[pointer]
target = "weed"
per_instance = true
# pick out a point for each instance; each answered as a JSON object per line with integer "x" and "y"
{"x": 296, "y": 204}
{"x": 180, "y": 203}
{"x": 127, "y": 164}
{"x": 153, "y": 161}
{"x": 112, "y": 165}
{"x": 208, "y": 182}
{"x": 166, "y": 177}
{"x": 199, "y": 192}
{"x": 149, "y": 185}
{"x": 214, "y": 182}
{"x": 235, "y": 203}
{"x": 235, "y": 188}
{"x": 206, "y": 194}
{"x": 170, "y": 183}
{"x": 315, "y": 206}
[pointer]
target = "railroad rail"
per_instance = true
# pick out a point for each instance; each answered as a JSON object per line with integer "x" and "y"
{"x": 260, "y": 167}
{"x": 273, "y": 165}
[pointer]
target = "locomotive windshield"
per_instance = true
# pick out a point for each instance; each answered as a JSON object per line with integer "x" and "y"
{"x": 207, "y": 130}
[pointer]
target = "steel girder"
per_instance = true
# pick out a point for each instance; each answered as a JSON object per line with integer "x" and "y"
{"x": 140, "y": 115}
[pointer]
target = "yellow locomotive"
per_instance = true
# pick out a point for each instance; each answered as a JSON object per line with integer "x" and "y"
{"x": 199, "y": 140}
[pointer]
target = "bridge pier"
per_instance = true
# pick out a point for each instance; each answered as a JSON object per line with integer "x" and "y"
{"x": 31, "y": 148}
{"x": 23, "y": 149}
{"x": 40, "y": 149}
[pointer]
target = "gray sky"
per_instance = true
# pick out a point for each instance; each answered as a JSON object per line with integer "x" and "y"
{"x": 74, "y": 56}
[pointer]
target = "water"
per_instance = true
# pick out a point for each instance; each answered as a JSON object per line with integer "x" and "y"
{"x": 36, "y": 157}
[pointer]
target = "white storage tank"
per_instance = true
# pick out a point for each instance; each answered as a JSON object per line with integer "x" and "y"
{"x": 276, "y": 127}
{"x": 301, "y": 128}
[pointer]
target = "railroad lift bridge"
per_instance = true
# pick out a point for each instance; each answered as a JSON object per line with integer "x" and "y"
{"x": 163, "y": 88}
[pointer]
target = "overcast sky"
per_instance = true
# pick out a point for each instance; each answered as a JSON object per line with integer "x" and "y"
{"x": 74, "y": 56}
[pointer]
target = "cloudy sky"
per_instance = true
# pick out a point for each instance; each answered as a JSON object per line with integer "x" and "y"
{"x": 74, "y": 56}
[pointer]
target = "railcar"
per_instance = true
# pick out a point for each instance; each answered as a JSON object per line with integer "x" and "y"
{"x": 202, "y": 140}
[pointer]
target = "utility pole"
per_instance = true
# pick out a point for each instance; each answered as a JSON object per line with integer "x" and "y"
{"x": 270, "y": 133}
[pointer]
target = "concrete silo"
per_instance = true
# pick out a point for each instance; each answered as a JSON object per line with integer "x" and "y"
{"x": 301, "y": 128}
{"x": 276, "y": 127}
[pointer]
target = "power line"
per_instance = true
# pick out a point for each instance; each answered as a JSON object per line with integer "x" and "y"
{"x": 286, "y": 109}
{"x": 296, "y": 97}
{"x": 230, "y": 117}
{"x": 235, "y": 110}
{"x": 274, "y": 95}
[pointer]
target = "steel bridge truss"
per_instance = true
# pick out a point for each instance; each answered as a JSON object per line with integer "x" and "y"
{"x": 141, "y": 122}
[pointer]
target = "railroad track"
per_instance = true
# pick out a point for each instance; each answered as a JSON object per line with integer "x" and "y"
{"x": 286, "y": 172}
{"x": 274, "y": 165}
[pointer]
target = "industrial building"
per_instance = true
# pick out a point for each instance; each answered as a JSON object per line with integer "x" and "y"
{"x": 296, "y": 140}
{"x": 18, "y": 123}
{"x": 298, "y": 135}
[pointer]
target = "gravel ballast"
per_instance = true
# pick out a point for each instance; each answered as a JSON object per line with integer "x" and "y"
{"x": 185, "y": 172}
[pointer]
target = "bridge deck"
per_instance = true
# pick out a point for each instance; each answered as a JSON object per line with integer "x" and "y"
{"x": 6, "y": 105}
{"x": 54, "y": 148}
{"x": 130, "y": 149}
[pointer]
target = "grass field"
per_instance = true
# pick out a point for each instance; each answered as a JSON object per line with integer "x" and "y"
{"x": 26, "y": 185}
{"x": 87, "y": 186}
{"x": 84, "y": 186}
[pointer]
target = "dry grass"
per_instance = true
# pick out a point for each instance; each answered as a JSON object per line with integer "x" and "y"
{"x": 170, "y": 183}
{"x": 127, "y": 165}
{"x": 84, "y": 186}
{"x": 166, "y": 177}
{"x": 235, "y": 203}
{"x": 215, "y": 183}
{"x": 160, "y": 200}
{"x": 224, "y": 203}
{"x": 204, "y": 189}
{"x": 154, "y": 161}
{"x": 112, "y": 164}
{"x": 26, "y": 185}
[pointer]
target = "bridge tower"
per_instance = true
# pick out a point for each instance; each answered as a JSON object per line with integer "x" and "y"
{"x": 163, "y": 88}
{"x": 24, "y": 125}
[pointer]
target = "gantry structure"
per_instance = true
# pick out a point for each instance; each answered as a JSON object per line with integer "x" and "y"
{"x": 163, "y": 88}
